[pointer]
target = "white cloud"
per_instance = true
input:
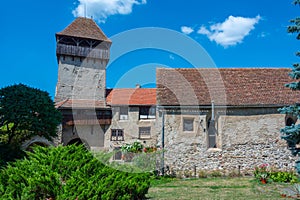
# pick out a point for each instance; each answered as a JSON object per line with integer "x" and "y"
{"x": 186, "y": 30}
{"x": 203, "y": 31}
{"x": 101, "y": 9}
{"x": 231, "y": 32}
{"x": 263, "y": 35}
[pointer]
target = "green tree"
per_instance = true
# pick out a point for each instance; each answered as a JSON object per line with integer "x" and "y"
{"x": 26, "y": 112}
{"x": 292, "y": 133}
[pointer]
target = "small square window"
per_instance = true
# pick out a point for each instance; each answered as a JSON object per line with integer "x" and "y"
{"x": 117, "y": 154}
{"x": 123, "y": 113}
{"x": 145, "y": 132}
{"x": 117, "y": 135}
{"x": 188, "y": 124}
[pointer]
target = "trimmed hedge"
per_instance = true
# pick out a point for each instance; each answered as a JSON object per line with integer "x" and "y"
{"x": 69, "y": 172}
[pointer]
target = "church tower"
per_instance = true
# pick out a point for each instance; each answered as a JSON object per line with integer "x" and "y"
{"x": 82, "y": 54}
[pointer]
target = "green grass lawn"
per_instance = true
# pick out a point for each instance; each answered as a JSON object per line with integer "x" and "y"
{"x": 214, "y": 188}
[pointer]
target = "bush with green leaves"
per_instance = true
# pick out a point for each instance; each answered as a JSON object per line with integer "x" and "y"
{"x": 132, "y": 148}
{"x": 69, "y": 172}
{"x": 266, "y": 171}
{"x": 283, "y": 177}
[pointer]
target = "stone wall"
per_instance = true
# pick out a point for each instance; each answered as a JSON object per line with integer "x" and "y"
{"x": 130, "y": 127}
{"x": 252, "y": 140}
{"x": 81, "y": 79}
{"x": 91, "y": 135}
{"x": 243, "y": 141}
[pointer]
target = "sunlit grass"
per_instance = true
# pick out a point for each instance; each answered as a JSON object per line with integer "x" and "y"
{"x": 214, "y": 188}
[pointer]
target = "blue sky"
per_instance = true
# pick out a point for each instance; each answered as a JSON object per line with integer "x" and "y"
{"x": 234, "y": 34}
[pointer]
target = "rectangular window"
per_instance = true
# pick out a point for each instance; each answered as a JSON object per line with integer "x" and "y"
{"x": 117, "y": 153}
{"x": 188, "y": 124}
{"x": 147, "y": 112}
{"x": 117, "y": 135}
{"x": 212, "y": 134}
{"x": 144, "y": 132}
{"x": 123, "y": 113}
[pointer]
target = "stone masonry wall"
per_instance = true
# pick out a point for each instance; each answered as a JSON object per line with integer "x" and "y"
{"x": 81, "y": 79}
{"x": 242, "y": 142}
{"x": 130, "y": 127}
{"x": 252, "y": 140}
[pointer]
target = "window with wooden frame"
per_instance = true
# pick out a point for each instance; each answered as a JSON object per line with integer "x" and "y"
{"x": 188, "y": 124}
{"x": 144, "y": 132}
{"x": 117, "y": 135}
{"x": 147, "y": 112}
{"x": 124, "y": 113}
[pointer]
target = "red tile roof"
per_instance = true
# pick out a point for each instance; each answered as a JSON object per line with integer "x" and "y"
{"x": 84, "y": 28}
{"x": 136, "y": 96}
{"x": 227, "y": 86}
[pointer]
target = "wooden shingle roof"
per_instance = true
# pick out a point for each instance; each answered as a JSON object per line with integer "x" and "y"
{"x": 225, "y": 86}
{"x": 84, "y": 28}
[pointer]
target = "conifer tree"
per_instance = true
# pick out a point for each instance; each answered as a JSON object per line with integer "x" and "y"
{"x": 292, "y": 133}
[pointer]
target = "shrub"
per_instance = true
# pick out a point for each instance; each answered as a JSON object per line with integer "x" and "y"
{"x": 9, "y": 153}
{"x": 188, "y": 173}
{"x": 179, "y": 174}
{"x": 216, "y": 173}
{"x": 146, "y": 161}
{"x": 277, "y": 176}
{"x": 234, "y": 173}
{"x": 284, "y": 177}
{"x": 261, "y": 169}
{"x": 68, "y": 173}
{"x": 133, "y": 148}
{"x": 202, "y": 174}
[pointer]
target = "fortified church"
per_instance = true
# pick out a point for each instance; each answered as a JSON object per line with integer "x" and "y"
{"x": 202, "y": 117}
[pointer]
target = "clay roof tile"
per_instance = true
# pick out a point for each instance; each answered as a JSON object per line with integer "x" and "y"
{"x": 134, "y": 96}
{"x": 84, "y": 28}
{"x": 225, "y": 86}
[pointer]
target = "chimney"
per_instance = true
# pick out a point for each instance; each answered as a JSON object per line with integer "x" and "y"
{"x": 137, "y": 85}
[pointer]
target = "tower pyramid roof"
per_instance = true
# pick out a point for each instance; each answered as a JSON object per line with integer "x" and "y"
{"x": 84, "y": 28}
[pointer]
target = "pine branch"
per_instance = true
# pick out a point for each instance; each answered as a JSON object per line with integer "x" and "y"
{"x": 293, "y": 86}
{"x": 291, "y": 110}
{"x": 295, "y": 74}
